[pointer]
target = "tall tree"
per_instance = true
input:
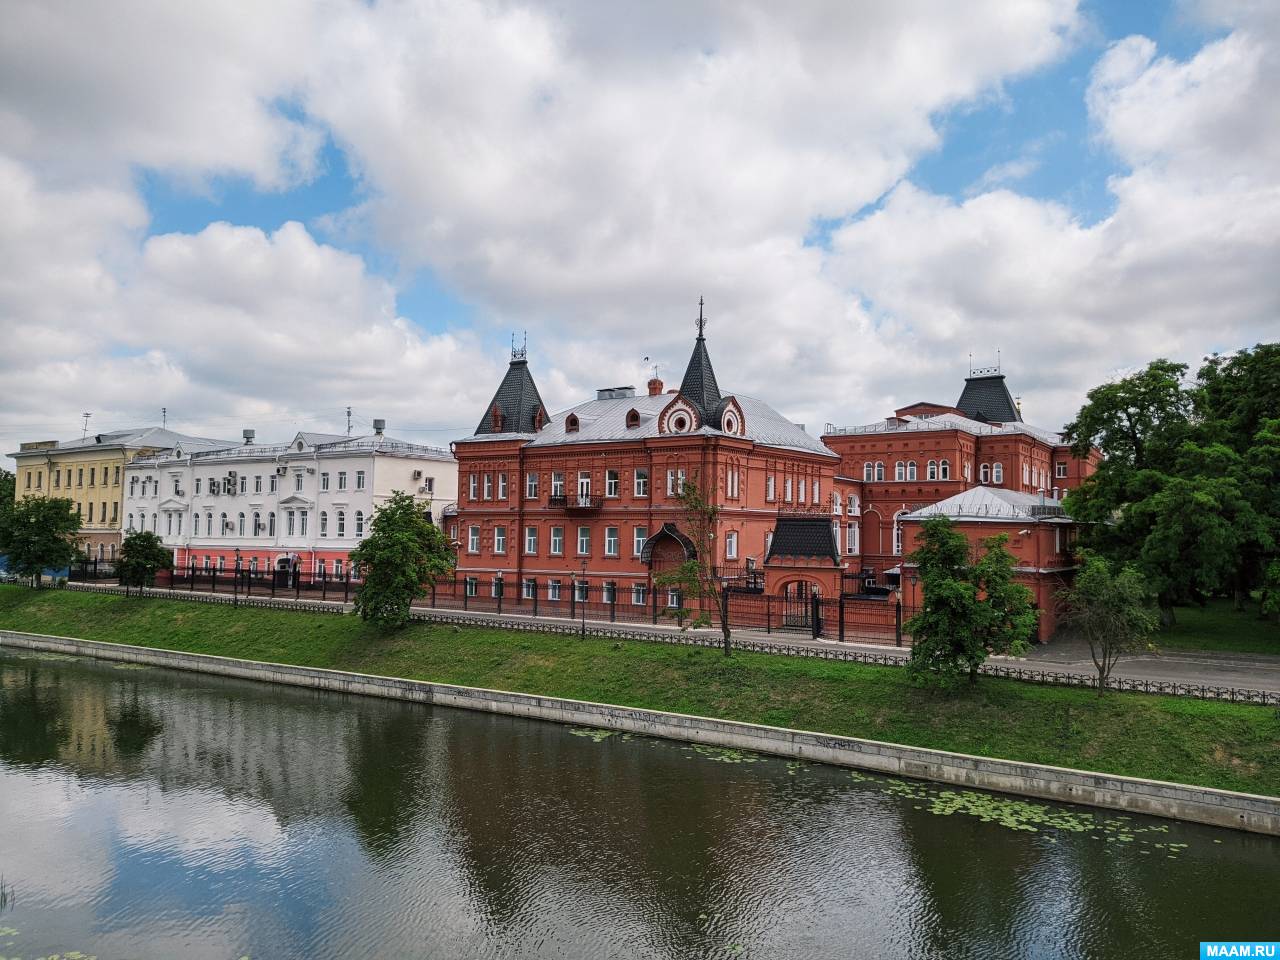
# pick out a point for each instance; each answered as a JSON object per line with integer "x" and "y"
{"x": 8, "y": 488}
{"x": 1110, "y": 607}
{"x": 401, "y": 557}
{"x": 699, "y": 578}
{"x": 1137, "y": 421}
{"x": 970, "y": 610}
{"x": 41, "y": 536}
{"x": 143, "y": 555}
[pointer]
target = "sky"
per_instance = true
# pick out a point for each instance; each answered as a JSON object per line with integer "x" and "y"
{"x": 256, "y": 215}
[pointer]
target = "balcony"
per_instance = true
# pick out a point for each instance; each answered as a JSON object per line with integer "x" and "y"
{"x": 576, "y": 502}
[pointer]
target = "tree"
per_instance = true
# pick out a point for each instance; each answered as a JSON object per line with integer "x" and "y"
{"x": 41, "y": 536}
{"x": 1110, "y": 606}
{"x": 697, "y": 578}
{"x": 401, "y": 557}
{"x": 1137, "y": 421}
{"x": 142, "y": 555}
{"x": 970, "y": 610}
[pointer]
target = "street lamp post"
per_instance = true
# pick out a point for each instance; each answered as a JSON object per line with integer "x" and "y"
{"x": 584, "y": 599}
{"x": 235, "y": 582}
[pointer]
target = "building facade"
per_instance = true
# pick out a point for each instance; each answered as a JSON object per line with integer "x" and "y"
{"x": 90, "y": 473}
{"x": 302, "y": 505}
{"x": 588, "y": 499}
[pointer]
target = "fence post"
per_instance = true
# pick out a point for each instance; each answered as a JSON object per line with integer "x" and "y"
{"x": 433, "y": 593}
{"x": 346, "y": 585}
{"x": 466, "y": 591}
{"x": 613, "y": 604}
{"x": 535, "y": 596}
{"x": 815, "y": 614}
{"x": 192, "y": 588}
{"x": 500, "y": 593}
{"x": 248, "y": 583}
{"x": 897, "y": 622}
{"x": 273, "y": 584}
{"x": 573, "y": 599}
{"x": 768, "y": 614}
{"x": 654, "y": 597}
{"x": 324, "y": 583}
{"x": 841, "y": 602}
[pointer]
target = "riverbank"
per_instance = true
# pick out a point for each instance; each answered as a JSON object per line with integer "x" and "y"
{"x": 1220, "y": 745}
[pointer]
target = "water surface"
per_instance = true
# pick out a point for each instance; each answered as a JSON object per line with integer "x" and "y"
{"x": 147, "y": 813}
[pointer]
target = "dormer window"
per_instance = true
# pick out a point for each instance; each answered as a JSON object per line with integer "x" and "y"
{"x": 495, "y": 417}
{"x": 538, "y": 419}
{"x": 299, "y": 446}
{"x": 571, "y": 424}
{"x": 633, "y": 418}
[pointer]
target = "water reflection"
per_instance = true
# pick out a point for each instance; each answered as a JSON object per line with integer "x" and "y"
{"x": 155, "y": 814}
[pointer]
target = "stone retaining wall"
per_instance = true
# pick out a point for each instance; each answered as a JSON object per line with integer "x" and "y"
{"x": 1221, "y": 808}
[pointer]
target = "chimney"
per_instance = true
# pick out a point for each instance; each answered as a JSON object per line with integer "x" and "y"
{"x": 655, "y": 387}
{"x": 379, "y": 426}
{"x": 248, "y": 436}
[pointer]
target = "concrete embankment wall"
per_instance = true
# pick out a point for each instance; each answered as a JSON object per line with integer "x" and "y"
{"x": 1221, "y": 808}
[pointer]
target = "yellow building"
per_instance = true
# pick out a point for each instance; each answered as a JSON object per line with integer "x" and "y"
{"x": 90, "y": 473}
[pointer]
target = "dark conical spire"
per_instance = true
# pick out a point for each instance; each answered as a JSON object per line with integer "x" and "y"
{"x": 516, "y": 407}
{"x": 699, "y": 385}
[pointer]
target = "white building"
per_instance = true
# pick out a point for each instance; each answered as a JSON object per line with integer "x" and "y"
{"x": 306, "y": 503}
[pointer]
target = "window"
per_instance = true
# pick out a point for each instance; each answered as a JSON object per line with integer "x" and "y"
{"x": 997, "y": 473}
{"x": 638, "y": 594}
{"x": 584, "y": 485}
{"x": 155, "y": 520}
{"x": 57, "y": 478}
{"x": 222, "y": 564}
{"x": 79, "y": 476}
{"x": 253, "y": 564}
{"x": 800, "y": 499}
{"x": 899, "y": 471}
{"x": 471, "y": 486}
{"x": 206, "y": 561}
{"x": 731, "y": 545}
{"x": 851, "y": 538}
{"x": 530, "y": 540}
{"x": 673, "y": 598}
{"x": 770, "y": 488}
{"x": 342, "y": 479}
{"x": 337, "y": 567}
{"x": 322, "y": 569}
{"x": 911, "y": 470}
{"x": 297, "y": 481}
{"x": 92, "y": 472}
{"x": 571, "y": 424}
{"x": 944, "y": 470}
{"x": 257, "y": 524}
{"x": 675, "y": 482}
{"x": 1060, "y": 470}
{"x": 359, "y": 479}
{"x": 786, "y": 489}
{"x": 610, "y": 541}
{"x": 817, "y": 497}
{"x": 271, "y": 524}
{"x": 1026, "y": 474}
{"x": 502, "y": 486}
{"x": 531, "y": 486}
{"x": 642, "y": 482}
{"x": 115, "y": 512}
{"x": 580, "y": 590}
{"x": 731, "y": 482}
{"x": 868, "y": 472}
{"x": 553, "y": 589}
{"x": 288, "y": 523}
{"x": 488, "y": 486}
{"x": 324, "y": 481}
{"x": 271, "y": 483}
{"x": 633, "y": 418}
{"x": 880, "y": 470}
{"x": 584, "y": 541}
{"x": 611, "y": 483}
{"x": 244, "y": 484}
{"x": 195, "y": 523}
{"x": 359, "y": 524}
{"x": 528, "y": 588}
{"x": 208, "y": 524}
{"x": 639, "y": 536}
{"x": 897, "y": 534}
{"x": 257, "y": 484}
{"x": 473, "y": 539}
{"x": 500, "y": 539}
{"x": 342, "y": 523}
{"x": 854, "y": 507}
{"x": 557, "y": 541}
{"x": 471, "y": 585}
{"x": 324, "y": 523}
{"x": 984, "y": 473}
{"x": 168, "y": 523}
{"x": 115, "y": 482}
{"x": 240, "y": 526}
{"x": 495, "y": 587}
{"x": 302, "y": 522}
{"x": 557, "y": 484}
{"x": 197, "y": 486}
{"x": 610, "y": 592}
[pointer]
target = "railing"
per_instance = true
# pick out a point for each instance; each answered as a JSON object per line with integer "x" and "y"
{"x": 397, "y": 446}
{"x": 575, "y": 501}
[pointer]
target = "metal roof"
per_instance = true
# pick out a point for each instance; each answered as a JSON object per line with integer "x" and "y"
{"x": 947, "y": 421}
{"x": 803, "y": 535}
{"x": 699, "y": 385}
{"x": 994, "y": 504}
{"x": 159, "y": 438}
{"x": 517, "y": 400}
{"x": 986, "y": 397}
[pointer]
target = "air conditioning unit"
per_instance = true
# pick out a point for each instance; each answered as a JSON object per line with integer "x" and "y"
{"x": 424, "y": 489}
{"x": 311, "y": 469}
{"x": 231, "y": 474}
{"x": 281, "y": 471}
{"x": 417, "y": 474}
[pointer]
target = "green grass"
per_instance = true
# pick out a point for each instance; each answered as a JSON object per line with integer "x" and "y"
{"x": 1218, "y": 627}
{"x": 1191, "y": 741}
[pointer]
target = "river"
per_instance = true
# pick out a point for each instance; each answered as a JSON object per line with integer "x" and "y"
{"x": 148, "y": 813}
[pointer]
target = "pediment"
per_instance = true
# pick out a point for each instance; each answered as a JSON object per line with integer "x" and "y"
{"x": 679, "y": 416}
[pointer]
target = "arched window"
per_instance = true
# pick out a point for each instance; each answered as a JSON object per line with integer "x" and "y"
{"x": 897, "y": 533}
{"x": 855, "y": 507}
{"x": 911, "y": 470}
{"x": 899, "y": 471}
{"x": 271, "y": 524}
{"x": 633, "y": 418}
{"x": 931, "y": 470}
{"x": 1026, "y": 474}
{"x": 324, "y": 523}
{"x": 130, "y": 527}
{"x": 880, "y": 470}
{"x": 359, "y": 524}
{"x": 984, "y": 473}
{"x": 208, "y": 524}
{"x": 257, "y": 524}
{"x": 240, "y": 526}
{"x": 155, "y": 522}
{"x": 997, "y": 474}
{"x": 195, "y": 523}
{"x": 944, "y": 470}
{"x": 868, "y": 472}
{"x": 101, "y": 551}
{"x": 571, "y": 423}
{"x": 342, "y": 523}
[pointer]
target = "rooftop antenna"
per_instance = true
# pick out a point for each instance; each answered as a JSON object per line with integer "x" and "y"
{"x": 84, "y": 432}
{"x": 997, "y": 359}
{"x": 702, "y": 321}
{"x": 653, "y": 366}
{"x": 521, "y": 352}
{"x": 348, "y": 421}
{"x": 164, "y": 417}
{"x": 971, "y": 363}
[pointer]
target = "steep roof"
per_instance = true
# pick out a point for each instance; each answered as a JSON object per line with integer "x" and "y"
{"x": 699, "y": 385}
{"x": 803, "y": 535}
{"x": 994, "y": 504}
{"x": 517, "y": 401}
{"x": 986, "y": 397}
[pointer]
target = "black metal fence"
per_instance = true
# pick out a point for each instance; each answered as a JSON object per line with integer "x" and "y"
{"x": 261, "y": 583}
{"x": 88, "y": 569}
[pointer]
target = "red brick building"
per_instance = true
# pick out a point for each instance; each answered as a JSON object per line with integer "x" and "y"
{"x": 586, "y": 499}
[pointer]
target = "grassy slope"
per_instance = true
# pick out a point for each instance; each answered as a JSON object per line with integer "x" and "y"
{"x": 1218, "y": 627}
{"x": 1213, "y": 744}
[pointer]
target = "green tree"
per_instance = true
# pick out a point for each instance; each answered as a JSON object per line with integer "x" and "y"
{"x": 971, "y": 609}
{"x": 142, "y": 555}
{"x": 41, "y": 536}
{"x": 8, "y": 488}
{"x": 1110, "y": 607}
{"x": 698, "y": 579}
{"x": 401, "y": 557}
{"x": 1137, "y": 421}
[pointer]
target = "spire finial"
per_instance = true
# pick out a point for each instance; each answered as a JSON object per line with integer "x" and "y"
{"x": 522, "y": 351}
{"x": 702, "y": 321}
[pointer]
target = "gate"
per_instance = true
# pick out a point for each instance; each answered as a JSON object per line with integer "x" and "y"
{"x": 797, "y": 612}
